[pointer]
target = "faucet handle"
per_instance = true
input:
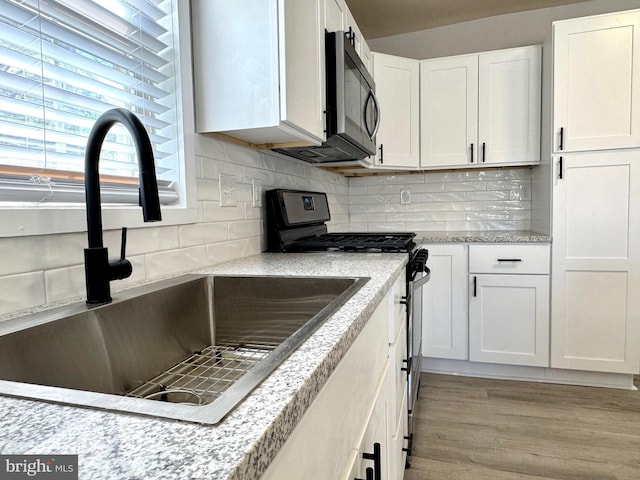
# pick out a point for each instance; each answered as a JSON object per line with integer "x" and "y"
{"x": 121, "y": 268}
{"x": 123, "y": 243}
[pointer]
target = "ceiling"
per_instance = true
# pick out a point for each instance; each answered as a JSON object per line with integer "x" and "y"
{"x": 384, "y": 18}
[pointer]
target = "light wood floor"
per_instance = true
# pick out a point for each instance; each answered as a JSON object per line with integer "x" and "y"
{"x": 479, "y": 429}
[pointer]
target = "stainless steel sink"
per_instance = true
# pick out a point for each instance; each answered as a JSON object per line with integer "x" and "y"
{"x": 189, "y": 348}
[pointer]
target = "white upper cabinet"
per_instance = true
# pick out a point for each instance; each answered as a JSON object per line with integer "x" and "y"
{"x": 358, "y": 41}
{"x": 449, "y": 111}
{"x": 596, "y": 82}
{"x": 398, "y": 92}
{"x": 335, "y": 15}
{"x": 509, "y": 105}
{"x": 259, "y": 70}
{"x": 596, "y": 262}
{"x": 481, "y": 109}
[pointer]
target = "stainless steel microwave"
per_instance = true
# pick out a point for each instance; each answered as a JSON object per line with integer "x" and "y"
{"x": 352, "y": 110}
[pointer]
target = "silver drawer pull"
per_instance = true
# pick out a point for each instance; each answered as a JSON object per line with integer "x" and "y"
{"x": 509, "y": 259}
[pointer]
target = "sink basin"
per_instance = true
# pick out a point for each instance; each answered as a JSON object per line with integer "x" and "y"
{"x": 189, "y": 348}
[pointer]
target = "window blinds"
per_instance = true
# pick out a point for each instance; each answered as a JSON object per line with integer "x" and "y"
{"x": 62, "y": 64}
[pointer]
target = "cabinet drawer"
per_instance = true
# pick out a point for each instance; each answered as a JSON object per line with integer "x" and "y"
{"x": 509, "y": 259}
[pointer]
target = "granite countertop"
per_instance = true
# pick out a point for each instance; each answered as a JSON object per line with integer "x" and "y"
{"x": 493, "y": 236}
{"x": 118, "y": 446}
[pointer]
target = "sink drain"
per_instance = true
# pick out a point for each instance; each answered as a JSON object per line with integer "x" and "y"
{"x": 176, "y": 395}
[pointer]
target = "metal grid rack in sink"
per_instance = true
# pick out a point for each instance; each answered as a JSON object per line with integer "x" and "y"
{"x": 205, "y": 375}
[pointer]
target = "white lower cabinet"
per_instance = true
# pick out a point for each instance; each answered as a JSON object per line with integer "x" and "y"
{"x": 355, "y": 410}
{"x": 445, "y": 323}
{"x": 509, "y": 304}
{"x": 509, "y": 319}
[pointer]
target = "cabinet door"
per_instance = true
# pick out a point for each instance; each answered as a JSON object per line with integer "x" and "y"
{"x": 351, "y": 27}
{"x": 302, "y": 79}
{"x": 398, "y": 447}
{"x": 376, "y": 432}
{"x": 335, "y": 13}
{"x": 449, "y": 111}
{"x": 444, "y": 304}
{"x": 397, "y": 89}
{"x": 509, "y": 319}
{"x": 596, "y": 82}
{"x": 509, "y": 106}
{"x": 596, "y": 262}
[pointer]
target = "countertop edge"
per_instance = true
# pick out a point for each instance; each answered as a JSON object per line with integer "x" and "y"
{"x": 497, "y": 236}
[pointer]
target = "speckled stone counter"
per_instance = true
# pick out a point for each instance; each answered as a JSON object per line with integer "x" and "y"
{"x": 119, "y": 446}
{"x": 495, "y": 236}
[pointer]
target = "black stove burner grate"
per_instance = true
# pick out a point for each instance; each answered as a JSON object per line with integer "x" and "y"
{"x": 385, "y": 242}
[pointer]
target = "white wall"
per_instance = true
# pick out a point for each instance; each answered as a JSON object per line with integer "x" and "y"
{"x": 48, "y": 269}
{"x": 493, "y": 33}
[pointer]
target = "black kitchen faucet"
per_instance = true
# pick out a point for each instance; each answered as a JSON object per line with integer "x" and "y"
{"x": 99, "y": 271}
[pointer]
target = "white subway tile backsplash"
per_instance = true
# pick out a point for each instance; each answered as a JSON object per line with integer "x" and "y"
{"x": 22, "y": 291}
{"x": 465, "y": 226}
{"x": 406, "y": 217}
{"x": 510, "y": 225}
{"x": 361, "y": 190}
{"x": 387, "y": 227}
{"x": 226, "y": 251}
{"x": 172, "y": 262}
{"x": 212, "y": 168}
{"x": 425, "y": 226}
{"x": 368, "y": 217}
{"x": 488, "y": 195}
{"x": 495, "y": 215}
{"x": 142, "y": 240}
{"x": 213, "y": 212}
{"x": 466, "y": 206}
{"x": 455, "y": 200}
{"x": 203, "y": 233}
{"x": 244, "y": 229}
{"x": 426, "y": 188}
{"x": 386, "y": 208}
{"x": 207, "y": 189}
{"x": 28, "y": 254}
{"x": 368, "y": 199}
{"x": 447, "y": 196}
{"x": 424, "y": 207}
{"x": 485, "y": 175}
{"x": 465, "y": 186}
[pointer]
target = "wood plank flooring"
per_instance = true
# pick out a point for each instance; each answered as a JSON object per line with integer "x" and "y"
{"x": 481, "y": 429}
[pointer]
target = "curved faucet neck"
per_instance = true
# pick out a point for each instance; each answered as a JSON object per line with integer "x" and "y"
{"x": 148, "y": 185}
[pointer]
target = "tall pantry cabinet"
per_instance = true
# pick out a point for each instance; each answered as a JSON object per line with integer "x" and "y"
{"x": 596, "y": 194}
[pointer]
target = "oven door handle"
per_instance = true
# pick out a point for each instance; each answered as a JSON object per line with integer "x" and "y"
{"x": 419, "y": 283}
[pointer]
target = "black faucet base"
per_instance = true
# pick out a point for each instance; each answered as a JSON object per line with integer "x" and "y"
{"x": 96, "y": 268}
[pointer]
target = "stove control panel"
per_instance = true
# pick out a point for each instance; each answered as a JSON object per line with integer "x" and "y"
{"x": 303, "y": 208}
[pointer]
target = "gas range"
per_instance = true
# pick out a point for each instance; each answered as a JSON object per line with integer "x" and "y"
{"x": 296, "y": 223}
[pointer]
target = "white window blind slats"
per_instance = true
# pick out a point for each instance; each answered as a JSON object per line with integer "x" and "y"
{"x": 104, "y": 26}
{"x": 62, "y": 64}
